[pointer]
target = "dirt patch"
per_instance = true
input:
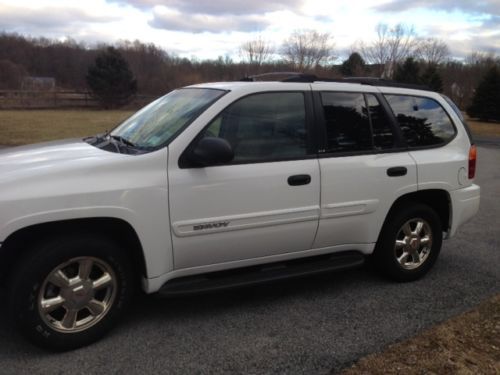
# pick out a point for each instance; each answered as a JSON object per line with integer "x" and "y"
{"x": 466, "y": 344}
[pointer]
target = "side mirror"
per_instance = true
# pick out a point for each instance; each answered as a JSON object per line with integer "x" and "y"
{"x": 211, "y": 151}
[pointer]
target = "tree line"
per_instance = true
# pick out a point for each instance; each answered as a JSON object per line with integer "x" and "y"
{"x": 395, "y": 53}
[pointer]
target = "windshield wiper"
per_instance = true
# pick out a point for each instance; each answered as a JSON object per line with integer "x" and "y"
{"x": 122, "y": 140}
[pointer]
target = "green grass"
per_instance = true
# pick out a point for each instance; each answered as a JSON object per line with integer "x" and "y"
{"x": 31, "y": 126}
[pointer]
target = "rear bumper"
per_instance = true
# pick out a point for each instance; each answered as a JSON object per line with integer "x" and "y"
{"x": 465, "y": 204}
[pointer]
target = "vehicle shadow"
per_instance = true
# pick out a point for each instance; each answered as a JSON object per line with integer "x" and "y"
{"x": 155, "y": 310}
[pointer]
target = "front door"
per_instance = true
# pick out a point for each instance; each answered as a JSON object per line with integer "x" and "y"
{"x": 263, "y": 203}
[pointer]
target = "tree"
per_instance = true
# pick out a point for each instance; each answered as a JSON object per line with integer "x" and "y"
{"x": 257, "y": 51}
{"x": 408, "y": 72}
{"x": 307, "y": 49}
{"x": 11, "y": 75}
{"x": 111, "y": 80}
{"x": 433, "y": 51}
{"x": 353, "y": 66}
{"x": 485, "y": 103}
{"x": 393, "y": 45}
{"x": 432, "y": 79}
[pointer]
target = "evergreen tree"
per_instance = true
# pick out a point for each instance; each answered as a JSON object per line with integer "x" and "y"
{"x": 353, "y": 66}
{"x": 111, "y": 80}
{"x": 408, "y": 72}
{"x": 432, "y": 79}
{"x": 486, "y": 101}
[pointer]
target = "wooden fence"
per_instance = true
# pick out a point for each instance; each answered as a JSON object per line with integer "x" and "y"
{"x": 23, "y": 99}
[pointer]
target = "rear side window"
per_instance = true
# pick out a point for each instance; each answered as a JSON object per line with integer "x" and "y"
{"x": 423, "y": 121}
{"x": 383, "y": 136}
{"x": 263, "y": 127}
{"x": 347, "y": 122}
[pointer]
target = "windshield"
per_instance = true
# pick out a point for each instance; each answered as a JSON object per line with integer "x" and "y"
{"x": 156, "y": 124}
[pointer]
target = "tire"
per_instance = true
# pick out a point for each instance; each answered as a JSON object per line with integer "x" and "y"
{"x": 409, "y": 243}
{"x": 70, "y": 291}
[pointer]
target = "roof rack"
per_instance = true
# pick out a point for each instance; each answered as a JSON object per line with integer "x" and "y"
{"x": 303, "y": 77}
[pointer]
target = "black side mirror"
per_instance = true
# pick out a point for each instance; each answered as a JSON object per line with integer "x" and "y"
{"x": 211, "y": 151}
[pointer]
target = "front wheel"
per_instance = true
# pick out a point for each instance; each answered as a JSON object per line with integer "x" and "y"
{"x": 410, "y": 242}
{"x": 70, "y": 291}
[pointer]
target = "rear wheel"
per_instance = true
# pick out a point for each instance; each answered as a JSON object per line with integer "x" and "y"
{"x": 70, "y": 291}
{"x": 410, "y": 242}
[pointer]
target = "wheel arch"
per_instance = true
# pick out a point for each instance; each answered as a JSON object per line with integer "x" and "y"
{"x": 17, "y": 244}
{"x": 439, "y": 200}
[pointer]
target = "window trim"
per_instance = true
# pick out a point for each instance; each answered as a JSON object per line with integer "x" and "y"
{"x": 311, "y": 137}
{"x": 428, "y": 147}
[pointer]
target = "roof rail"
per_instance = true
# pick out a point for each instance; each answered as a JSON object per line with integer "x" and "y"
{"x": 303, "y": 77}
{"x": 287, "y": 76}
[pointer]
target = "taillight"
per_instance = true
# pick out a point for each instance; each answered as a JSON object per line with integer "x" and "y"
{"x": 472, "y": 161}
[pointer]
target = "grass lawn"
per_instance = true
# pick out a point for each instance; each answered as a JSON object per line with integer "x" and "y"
{"x": 19, "y": 127}
{"x": 32, "y": 126}
{"x": 484, "y": 129}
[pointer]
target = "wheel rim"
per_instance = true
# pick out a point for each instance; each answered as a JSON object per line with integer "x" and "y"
{"x": 413, "y": 243}
{"x": 77, "y": 294}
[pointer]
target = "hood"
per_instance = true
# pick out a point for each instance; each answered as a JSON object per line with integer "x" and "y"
{"x": 15, "y": 162}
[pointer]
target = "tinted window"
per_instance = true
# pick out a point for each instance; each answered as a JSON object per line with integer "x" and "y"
{"x": 263, "y": 127}
{"x": 347, "y": 123}
{"x": 383, "y": 136}
{"x": 422, "y": 120}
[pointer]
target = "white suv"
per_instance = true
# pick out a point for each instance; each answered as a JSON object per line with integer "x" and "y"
{"x": 227, "y": 184}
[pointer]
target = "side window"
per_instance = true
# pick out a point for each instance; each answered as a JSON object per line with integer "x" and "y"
{"x": 347, "y": 122}
{"x": 422, "y": 120}
{"x": 263, "y": 127}
{"x": 383, "y": 136}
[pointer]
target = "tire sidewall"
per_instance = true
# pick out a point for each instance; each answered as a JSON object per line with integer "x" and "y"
{"x": 384, "y": 252}
{"x": 34, "y": 270}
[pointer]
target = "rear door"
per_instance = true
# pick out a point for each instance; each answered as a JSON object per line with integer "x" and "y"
{"x": 263, "y": 203}
{"x": 364, "y": 167}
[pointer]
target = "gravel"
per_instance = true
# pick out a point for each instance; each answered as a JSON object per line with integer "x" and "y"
{"x": 315, "y": 325}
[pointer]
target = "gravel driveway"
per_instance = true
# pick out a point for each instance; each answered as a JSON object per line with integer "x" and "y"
{"x": 314, "y": 325}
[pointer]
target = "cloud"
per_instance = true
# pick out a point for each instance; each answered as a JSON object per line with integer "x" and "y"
{"x": 166, "y": 19}
{"x": 47, "y": 18}
{"x": 478, "y": 7}
{"x": 219, "y": 7}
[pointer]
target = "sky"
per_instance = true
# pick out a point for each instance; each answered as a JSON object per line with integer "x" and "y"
{"x": 206, "y": 29}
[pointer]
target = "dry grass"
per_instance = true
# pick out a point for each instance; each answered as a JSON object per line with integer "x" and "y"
{"x": 467, "y": 344}
{"x": 32, "y": 126}
{"x": 484, "y": 129}
{"x": 19, "y": 127}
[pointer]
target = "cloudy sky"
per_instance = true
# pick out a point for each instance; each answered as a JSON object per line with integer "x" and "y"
{"x": 212, "y": 28}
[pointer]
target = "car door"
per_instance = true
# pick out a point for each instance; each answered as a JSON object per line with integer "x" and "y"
{"x": 364, "y": 167}
{"x": 265, "y": 202}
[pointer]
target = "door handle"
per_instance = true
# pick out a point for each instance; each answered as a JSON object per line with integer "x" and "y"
{"x": 397, "y": 171}
{"x": 299, "y": 179}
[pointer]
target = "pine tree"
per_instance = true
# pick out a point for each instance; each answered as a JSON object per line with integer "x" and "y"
{"x": 432, "y": 79}
{"x": 486, "y": 101}
{"x": 408, "y": 72}
{"x": 353, "y": 66}
{"x": 111, "y": 80}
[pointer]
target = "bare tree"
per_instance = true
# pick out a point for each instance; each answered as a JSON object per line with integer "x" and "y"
{"x": 393, "y": 45}
{"x": 433, "y": 51}
{"x": 307, "y": 49}
{"x": 257, "y": 51}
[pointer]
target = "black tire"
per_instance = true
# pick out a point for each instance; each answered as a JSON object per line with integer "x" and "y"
{"x": 410, "y": 266}
{"x": 30, "y": 288}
